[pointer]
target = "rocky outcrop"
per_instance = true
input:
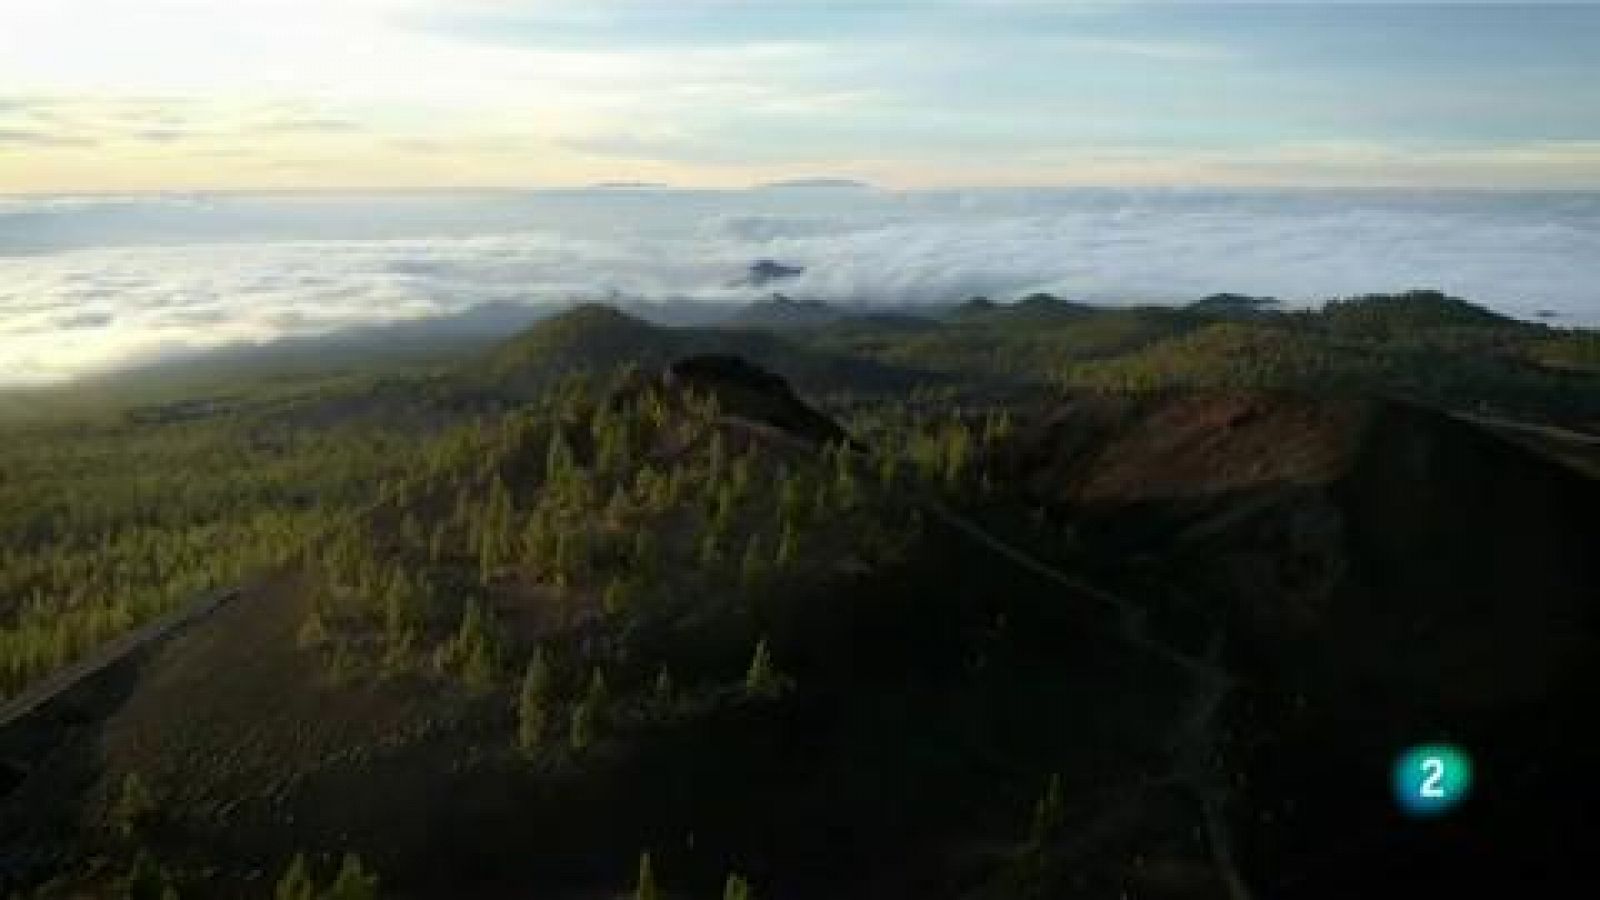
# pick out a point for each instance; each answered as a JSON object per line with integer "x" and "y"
{"x": 750, "y": 392}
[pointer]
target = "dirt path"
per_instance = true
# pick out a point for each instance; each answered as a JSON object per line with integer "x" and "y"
{"x": 1196, "y": 744}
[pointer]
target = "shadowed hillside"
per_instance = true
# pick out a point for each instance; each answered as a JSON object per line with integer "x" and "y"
{"x": 1377, "y": 575}
{"x": 1165, "y": 643}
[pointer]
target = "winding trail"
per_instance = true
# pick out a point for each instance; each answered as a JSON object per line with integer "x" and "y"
{"x": 1130, "y": 618}
{"x": 1195, "y": 744}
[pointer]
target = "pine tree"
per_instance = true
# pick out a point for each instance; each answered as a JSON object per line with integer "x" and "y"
{"x": 134, "y": 806}
{"x": 753, "y": 566}
{"x": 644, "y": 552}
{"x": 1047, "y": 811}
{"x": 598, "y": 695}
{"x": 736, "y": 888}
{"x": 313, "y": 630}
{"x": 436, "y": 544}
{"x": 716, "y": 458}
{"x": 145, "y": 879}
{"x": 352, "y": 883}
{"x": 957, "y": 442}
{"x": 588, "y": 715}
{"x": 602, "y": 428}
{"x": 845, "y": 488}
{"x": 582, "y": 732}
{"x": 478, "y": 668}
{"x": 997, "y": 427}
{"x": 615, "y": 599}
{"x": 617, "y": 506}
{"x": 786, "y": 546}
{"x": 645, "y": 888}
{"x": 761, "y": 679}
{"x": 710, "y": 553}
{"x": 888, "y": 467}
{"x": 790, "y": 504}
{"x": 662, "y": 692}
{"x": 820, "y": 501}
{"x": 486, "y": 559}
{"x": 559, "y": 560}
{"x": 558, "y": 457}
{"x": 744, "y": 471}
{"x": 398, "y": 653}
{"x": 296, "y": 883}
{"x": 533, "y": 706}
{"x": 676, "y": 479}
{"x": 473, "y": 647}
{"x": 722, "y": 509}
{"x": 399, "y": 607}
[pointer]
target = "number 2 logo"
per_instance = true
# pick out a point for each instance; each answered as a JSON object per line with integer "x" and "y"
{"x": 1433, "y": 777}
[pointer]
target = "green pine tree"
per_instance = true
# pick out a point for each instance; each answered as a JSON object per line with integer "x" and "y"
{"x": 486, "y": 560}
{"x": 145, "y": 879}
{"x": 1047, "y": 811}
{"x": 582, "y": 731}
{"x": 710, "y": 553}
{"x": 473, "y": 647}
{"x": 820, "y": 501}
{"x": 134, "y": 807}
{"x": 761, "y": 679}
{"x": 617, "y": 506}
{"x": 533, "y": 705}
{"x": 662, "y": 692}
{"x": 598, "y": 695}
{"x": 313, "y": 630}
{"x": 478, "y": 668}
{"x": 615, "y": 599}
{"x": 589, "y": 714}
{"x": 786, "y": 546}
{"x": 791, "y": 505}
{"x": 436, "y": 543}
{"x": 888, "y": 468}
{"x": 644, "y": 552}
{"x": 353, "y": 882}
{"x": 845, "y": 489}
{"x": 736, "y": 888}
{"x": 558, "y": 457}
{"x": 716, "y": 458}
{"x": 296, "y": 883}
{"x": 399, "y": 614}
{"x": 560, "y": 560}
{"x": 645, "y": 888}
{"x": 957, "y": 444}
{"x": 753, "y": 566}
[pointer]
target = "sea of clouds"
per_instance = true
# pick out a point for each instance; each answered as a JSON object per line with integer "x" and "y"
{"x": 94, "y": 283}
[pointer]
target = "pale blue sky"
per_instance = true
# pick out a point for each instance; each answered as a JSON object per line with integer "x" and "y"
{"x": 361, "y": 93}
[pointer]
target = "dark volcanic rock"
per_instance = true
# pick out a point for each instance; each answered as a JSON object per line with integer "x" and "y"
{"x": 748, "y": 391}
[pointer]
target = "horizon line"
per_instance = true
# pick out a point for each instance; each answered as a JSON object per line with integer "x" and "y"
{"x": 862, "y": 186}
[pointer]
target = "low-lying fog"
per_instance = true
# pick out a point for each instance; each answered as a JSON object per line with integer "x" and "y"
{"x": 88, "y": 284}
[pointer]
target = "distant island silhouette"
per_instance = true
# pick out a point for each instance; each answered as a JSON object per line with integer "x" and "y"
{"x": 835, "y": 183}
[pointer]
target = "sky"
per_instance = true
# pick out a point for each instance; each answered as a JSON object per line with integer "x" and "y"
{"x": 178, "y": 95}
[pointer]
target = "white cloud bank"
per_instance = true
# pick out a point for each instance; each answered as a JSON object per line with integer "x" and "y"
{"x": 86, "y": 285}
